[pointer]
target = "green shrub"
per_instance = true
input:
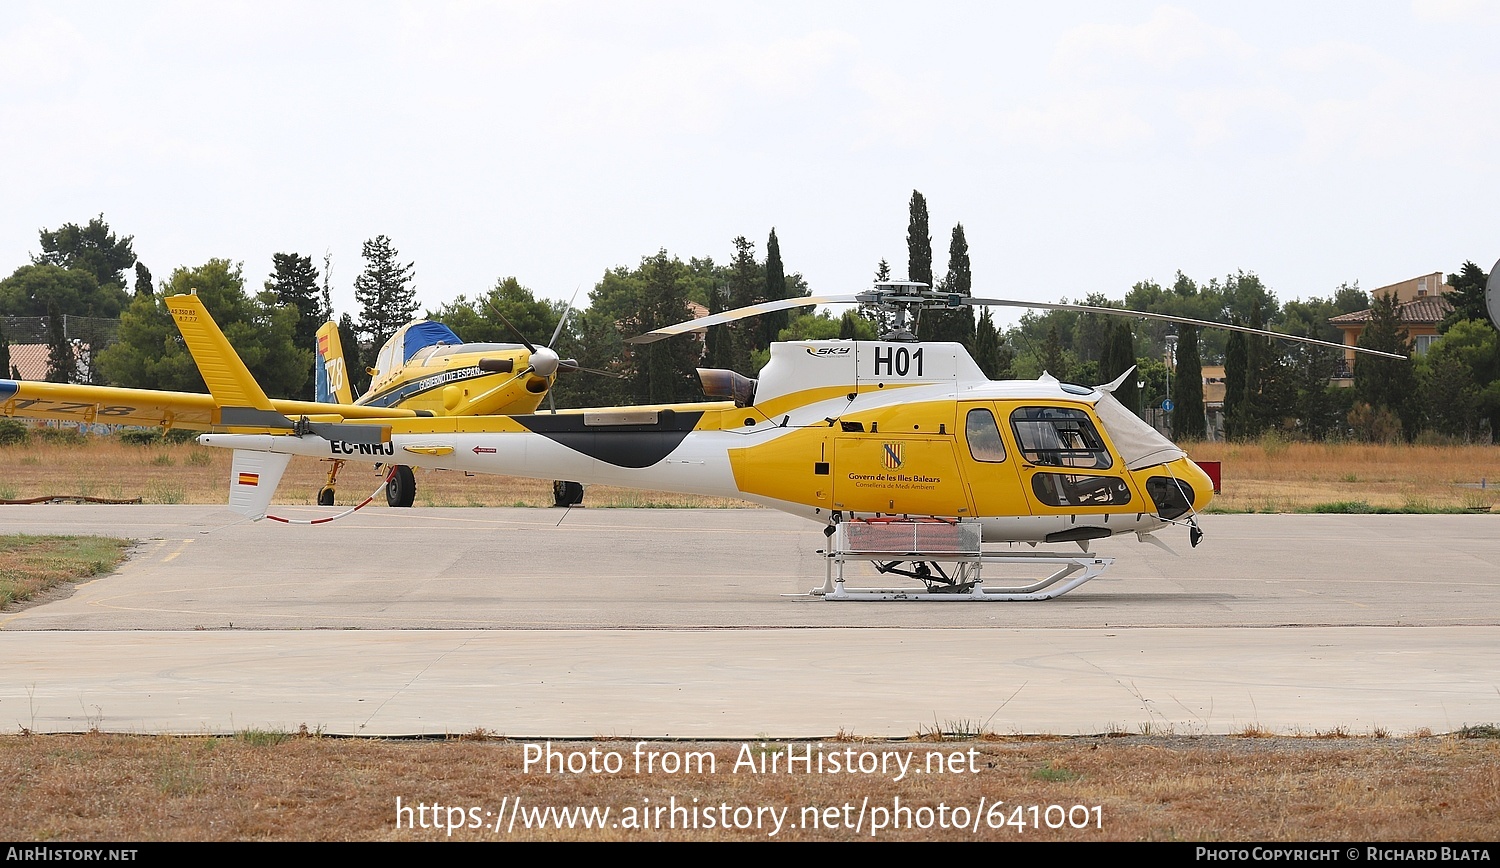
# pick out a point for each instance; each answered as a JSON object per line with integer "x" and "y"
{"x": 140, "y": 436}
{"x": 62, "y": 436}
{"x": 181, "y": 435}
{"x": 12, "y": 432}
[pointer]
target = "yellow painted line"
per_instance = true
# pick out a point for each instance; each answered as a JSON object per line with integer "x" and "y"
{"x": 185, "y": 544}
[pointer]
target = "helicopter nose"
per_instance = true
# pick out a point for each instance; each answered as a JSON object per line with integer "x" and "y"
{"x": 544, "y": 361}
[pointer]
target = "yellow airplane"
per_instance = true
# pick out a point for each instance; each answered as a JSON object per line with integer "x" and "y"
{"x": 423, "y": 370}
{"x": 907, "y": 454}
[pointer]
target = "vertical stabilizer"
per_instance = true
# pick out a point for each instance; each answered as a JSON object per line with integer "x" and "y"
{"x": 332, "y": 375}
{"x": 226, "y": 376}
{"x": 253, "y": 479}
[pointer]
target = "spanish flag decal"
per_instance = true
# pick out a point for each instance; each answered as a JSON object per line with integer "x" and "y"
{"x": 249, "y": 479}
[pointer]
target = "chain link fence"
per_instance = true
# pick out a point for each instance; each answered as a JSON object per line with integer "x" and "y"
{"x": 88, "y": 335}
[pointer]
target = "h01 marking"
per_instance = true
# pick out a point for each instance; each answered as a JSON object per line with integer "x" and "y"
{"x": 897, "y": 361}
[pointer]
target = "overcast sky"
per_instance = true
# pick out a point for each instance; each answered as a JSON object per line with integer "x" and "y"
{"x": 1084, "y": 146}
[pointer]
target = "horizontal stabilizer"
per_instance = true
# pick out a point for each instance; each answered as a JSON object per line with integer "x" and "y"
{"x": 253, "y": 478}
{"x": 351, "y": 433}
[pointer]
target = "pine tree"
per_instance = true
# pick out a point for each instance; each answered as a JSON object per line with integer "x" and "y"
{"x": 386, "y": 298}
{"x": 327, "y": 286}
{"x": 1467, "y": 296}
{"x": 664, "y": 370}
{"x": 92, "y": 248}
{"x": 295, "y": 283}
{"x": 62, "y": 364}
{"x": 746, "y": 283}
{"x": 1188, "y": 421}
{"x": 879, "y": 318}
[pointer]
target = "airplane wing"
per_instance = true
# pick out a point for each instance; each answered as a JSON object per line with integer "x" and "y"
{"x": 109, "y": 405}
{"x": 236, "y": 402}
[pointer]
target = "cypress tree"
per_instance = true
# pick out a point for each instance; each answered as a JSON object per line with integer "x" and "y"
{"x": 1388, "y": 383}
{"x": 62, "y": 365}
{"x": 1257, "y": 357}
{"x": 848, "y": 331}
{"x": 1122, "y": 346}
{"x": 4, "y": 349}
{"x": 143, "y": 280}
{"x": 776, "y": 320}
{"x": 1234, "y": 382}
{"x": 1187, "y": 389}
{"x": 1053, "y": 361}
{"x": 990, "y": 350}
{"x": 918, "y": 242}
{"x": 954, "y": 325}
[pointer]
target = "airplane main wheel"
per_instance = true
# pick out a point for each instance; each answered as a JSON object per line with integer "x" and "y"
{"x": 401, "y": 490}
{"x": 567, "y": 493}
{"x": 325, "y": 496}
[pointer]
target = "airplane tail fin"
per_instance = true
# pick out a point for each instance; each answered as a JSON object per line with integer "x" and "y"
{"x": 253, "y": 478}
{"x": 239, "y": 402}
{"x": 332, "y": 373}
{"x": 240, "y": 399}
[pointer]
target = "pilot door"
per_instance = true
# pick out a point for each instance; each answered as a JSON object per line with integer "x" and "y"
{"x": 994, "y": 485}
{"x": 1064, "y": 464}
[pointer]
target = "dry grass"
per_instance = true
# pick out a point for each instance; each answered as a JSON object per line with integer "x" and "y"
{"x": 188, "y": 473}
{"x": 32, "y": 564}
{"x": 1258, "y": 477}
{"x": 1276, "y": 476}
{"x": 285, "y": 786}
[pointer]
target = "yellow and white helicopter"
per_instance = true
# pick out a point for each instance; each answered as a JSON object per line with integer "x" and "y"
{"x": 905, "y": 451}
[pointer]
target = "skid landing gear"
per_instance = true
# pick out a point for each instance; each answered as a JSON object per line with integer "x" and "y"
{"x": 918, "y": 548}
{"x": 965, "y": 584}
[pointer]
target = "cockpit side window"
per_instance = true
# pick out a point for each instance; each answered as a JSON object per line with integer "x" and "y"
{"x": 1059, "y": 437}
{"x": 387, "y": 355}
{"x": 983, "y": 436}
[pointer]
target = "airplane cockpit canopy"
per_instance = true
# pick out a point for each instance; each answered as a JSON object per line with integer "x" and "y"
{"x": 411, "y": 339}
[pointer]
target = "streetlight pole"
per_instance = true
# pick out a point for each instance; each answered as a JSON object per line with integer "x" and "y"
{"x": 1171, "y": 356}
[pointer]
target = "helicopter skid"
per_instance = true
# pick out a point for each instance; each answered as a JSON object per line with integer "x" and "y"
{"x": 966, "y": 585}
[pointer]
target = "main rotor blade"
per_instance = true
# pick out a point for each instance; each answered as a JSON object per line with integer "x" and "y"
{"x": 570, "y": 366}
{"x": 1202, "y": 323}
{"x": 738, "y": 314}
{"x": 953, "y": 301}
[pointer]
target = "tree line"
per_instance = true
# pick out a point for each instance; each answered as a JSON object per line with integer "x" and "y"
{"x": 1451, "y": 391}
